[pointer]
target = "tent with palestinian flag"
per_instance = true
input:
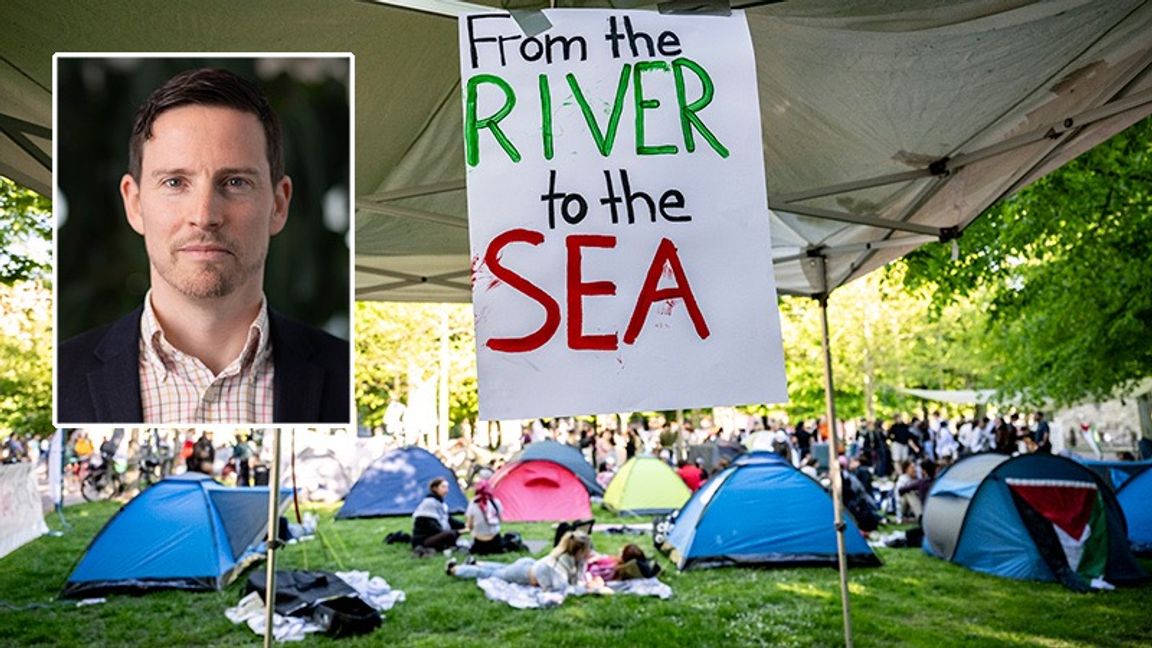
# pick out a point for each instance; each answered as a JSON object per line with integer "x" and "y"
{"x": 1031, "y": 517}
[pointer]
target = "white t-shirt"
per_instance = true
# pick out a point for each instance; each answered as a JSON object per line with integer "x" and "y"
{"x": 481, "y": 525}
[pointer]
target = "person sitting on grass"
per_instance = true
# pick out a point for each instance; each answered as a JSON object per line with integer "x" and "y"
{"x": 564, "y": 566}
{"x": 432, "y": 528}
{"x": 483, "y": 519}
{"x": 630, "y": 563}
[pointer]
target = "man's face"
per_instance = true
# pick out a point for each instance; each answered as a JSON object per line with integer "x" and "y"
{"x": 205, "y": 202}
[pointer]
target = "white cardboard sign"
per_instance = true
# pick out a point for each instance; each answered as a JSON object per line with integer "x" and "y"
{"x": 618, "y": 215}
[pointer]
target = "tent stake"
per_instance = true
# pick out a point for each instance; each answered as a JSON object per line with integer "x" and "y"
{"x": 273, "y": 541}
{"x": 833, "y": 463}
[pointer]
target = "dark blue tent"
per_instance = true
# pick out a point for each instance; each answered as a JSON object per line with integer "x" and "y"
{"x": 185, "y": 532}
{"x": 396, "y": 483}
{"x": 713, "y": 453}
{"x": 566, "y": 456}
{"x": 1031, "y": 517}
{"x": 761, "y": 511}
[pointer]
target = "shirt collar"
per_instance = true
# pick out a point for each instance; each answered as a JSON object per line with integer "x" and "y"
{"x": 161, "y": 354}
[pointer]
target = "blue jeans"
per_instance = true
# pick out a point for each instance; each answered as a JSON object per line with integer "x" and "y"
{"x": 517, "y": 572}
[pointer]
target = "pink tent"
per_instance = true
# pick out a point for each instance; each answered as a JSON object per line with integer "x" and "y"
{"x": 540, "y": 491}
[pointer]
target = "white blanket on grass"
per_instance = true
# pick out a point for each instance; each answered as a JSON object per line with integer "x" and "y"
{"x": 525, "y": 597}
{"x": 375, "y": 591}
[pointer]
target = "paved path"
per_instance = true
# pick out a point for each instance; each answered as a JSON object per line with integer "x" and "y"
{"x": 70, "y": 497}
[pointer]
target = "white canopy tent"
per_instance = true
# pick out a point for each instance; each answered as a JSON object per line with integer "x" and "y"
{"x": 883, "y": 129}
{"x": 961, "y": 396}
{"x": 886, "y": 125}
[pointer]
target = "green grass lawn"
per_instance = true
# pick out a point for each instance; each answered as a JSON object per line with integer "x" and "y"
{"x": 913, "y": 600}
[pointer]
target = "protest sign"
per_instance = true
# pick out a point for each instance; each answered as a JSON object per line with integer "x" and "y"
{"x": 618, "y": 218}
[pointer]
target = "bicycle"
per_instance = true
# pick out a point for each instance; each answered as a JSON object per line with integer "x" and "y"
{"x": 102, "y": 482}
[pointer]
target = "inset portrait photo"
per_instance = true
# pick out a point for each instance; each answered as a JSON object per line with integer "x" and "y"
{"x": 202, "y": 253}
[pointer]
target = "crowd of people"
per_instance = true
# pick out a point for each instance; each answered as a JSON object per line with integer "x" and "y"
{"x": 133, "y": 461}
{"x": 887, "y": 466}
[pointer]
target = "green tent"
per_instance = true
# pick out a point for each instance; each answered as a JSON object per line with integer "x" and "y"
{"x": 646, "y": 486}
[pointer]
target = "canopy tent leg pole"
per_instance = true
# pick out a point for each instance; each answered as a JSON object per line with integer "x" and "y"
{"x": 273, "y": 541}
{"x": 56, "y": 470}
{"x": 833, "y": 463}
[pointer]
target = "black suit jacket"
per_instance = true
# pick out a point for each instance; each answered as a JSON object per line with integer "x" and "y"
{"x": 98, "y": 374}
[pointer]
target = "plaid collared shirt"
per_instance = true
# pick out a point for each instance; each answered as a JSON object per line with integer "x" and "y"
{"x": 178, "y": 388}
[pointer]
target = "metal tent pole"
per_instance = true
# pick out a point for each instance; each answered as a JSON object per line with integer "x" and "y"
{"x": 834, "y": 443}
{"x": 273, "y": 541}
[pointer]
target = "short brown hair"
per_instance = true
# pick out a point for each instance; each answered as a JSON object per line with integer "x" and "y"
{"x": 207, "y": 87}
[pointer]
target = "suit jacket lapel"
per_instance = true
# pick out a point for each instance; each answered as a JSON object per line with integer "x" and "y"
{"x": 115, "y": 386}
{"x": 298, "y": 384}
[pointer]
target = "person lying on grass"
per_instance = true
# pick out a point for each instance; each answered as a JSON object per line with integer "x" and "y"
{"x": 432, "y": 528}
{"x": 564, "y": 566}
{"x": 629, "y": 564}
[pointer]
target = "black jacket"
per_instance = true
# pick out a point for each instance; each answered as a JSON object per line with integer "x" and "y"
{"x": 98, "y": 374}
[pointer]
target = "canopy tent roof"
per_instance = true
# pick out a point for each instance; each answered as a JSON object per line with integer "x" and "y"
{"x": 885, "y": 126}
{"x": 963, "y": 396}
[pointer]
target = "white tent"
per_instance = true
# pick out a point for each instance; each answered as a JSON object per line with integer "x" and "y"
{"x": 886, "y": 125}
{"x": 963, "y": 396}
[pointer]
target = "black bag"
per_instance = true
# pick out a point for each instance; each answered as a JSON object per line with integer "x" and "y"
{"x": 322, "y": 597}
{"x": 398, "y": 537}
{"x": 575, "y": 525}
{"x": 513, "y": 541}
{"x": 345, "y": 616}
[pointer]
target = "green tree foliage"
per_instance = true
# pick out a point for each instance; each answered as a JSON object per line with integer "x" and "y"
{"x": 398, "y": 342}
{"x": 26, "y": 358}
{"x": 883, "y": 336}
{"x": 25, "y": 229}
{"x": 25, "y": 311}
{"x": 1064, "y": 270}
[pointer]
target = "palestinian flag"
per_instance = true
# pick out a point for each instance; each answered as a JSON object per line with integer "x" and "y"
{"x": 1076, "y": 512}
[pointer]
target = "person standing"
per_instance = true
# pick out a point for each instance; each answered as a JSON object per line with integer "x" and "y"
{"x": 204, "y": 454}
{"x": 1041, "y": 433}
{"x": 901, "y": 437}
{"x": 186, "y": 451}
{"x": 242, "y": 460}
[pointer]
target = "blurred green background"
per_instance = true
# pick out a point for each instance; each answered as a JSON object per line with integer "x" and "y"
{"x": 102, "y": 267}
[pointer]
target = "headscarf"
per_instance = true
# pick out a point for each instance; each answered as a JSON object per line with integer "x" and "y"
{"x": 485, "y": 502}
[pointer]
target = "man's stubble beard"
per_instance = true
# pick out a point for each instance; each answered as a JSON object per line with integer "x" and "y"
{"x": 209, "y": 280}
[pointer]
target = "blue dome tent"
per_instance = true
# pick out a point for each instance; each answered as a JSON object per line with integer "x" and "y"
{"x": 1115, "y": 473}
{"x": 1132, "y": 481}
{"x": 760, "y": 511}
{"x": 1135, "y": 498}
{"x": 396, "y": 483}
{"x": 185, "y": 532}
{"x": 1031, "y": 517}
{"x": 566, "y": 456}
